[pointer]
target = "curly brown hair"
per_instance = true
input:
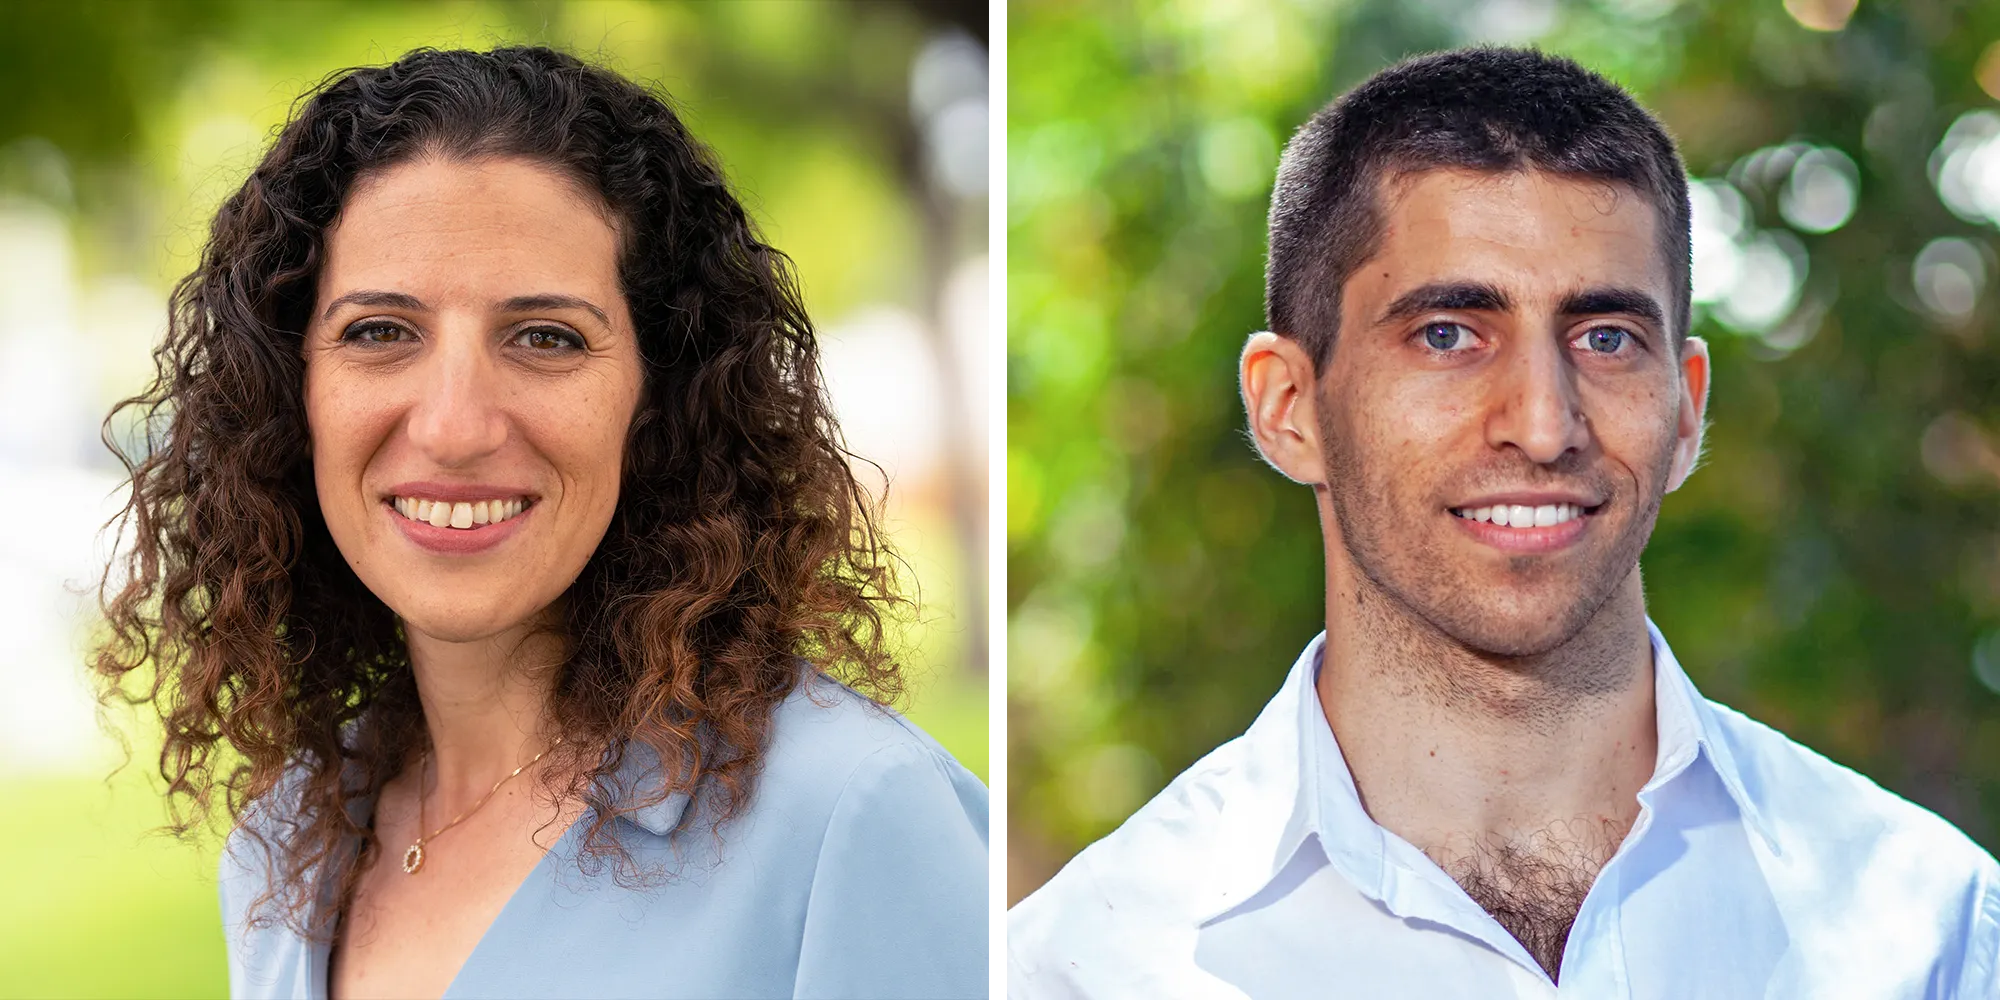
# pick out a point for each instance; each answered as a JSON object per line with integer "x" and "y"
{"x": 741, "y": 543}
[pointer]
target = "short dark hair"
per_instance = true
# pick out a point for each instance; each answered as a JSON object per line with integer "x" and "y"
{"x": 1485, "y": 108}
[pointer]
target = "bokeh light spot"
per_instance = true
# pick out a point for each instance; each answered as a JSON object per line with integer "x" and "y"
{"x": 1718, "y": 214}
{"x": 1237, "y": 156}
{"x": 1110, "y": 781}
{"x": 1986, "y": 660}
{"x": 1965, "y": 167}
{"x": 1512, "y": 22}
{"x": 1821, "y": 15}
{"x": 1987, "y": 72}
{"x": 1948, "y": 275}
{"x": 1957, "y": 451}
{"x": 1821, "y": 191}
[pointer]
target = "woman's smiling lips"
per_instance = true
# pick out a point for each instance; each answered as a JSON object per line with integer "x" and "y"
{"x": 452, "y": 519}
{"x": 1528, "y": 523}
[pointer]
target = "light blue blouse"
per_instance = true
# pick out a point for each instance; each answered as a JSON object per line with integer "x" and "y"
{"x": 856, "y": 869}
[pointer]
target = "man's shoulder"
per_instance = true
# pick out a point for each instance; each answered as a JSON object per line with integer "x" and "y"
{"x": 1824, "y": 814}
{"x": 1153, "y": 878}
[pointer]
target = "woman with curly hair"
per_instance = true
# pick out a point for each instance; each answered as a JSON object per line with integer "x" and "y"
{"x": 498, "y": 560}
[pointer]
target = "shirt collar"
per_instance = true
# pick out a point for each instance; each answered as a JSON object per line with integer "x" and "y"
{"x": 637, "y": 779}
{"x": 1688, "y": 729}
{"x": 1326, "y": 804}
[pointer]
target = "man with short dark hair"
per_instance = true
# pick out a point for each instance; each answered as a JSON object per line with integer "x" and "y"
{"x": 1489, "y": 775}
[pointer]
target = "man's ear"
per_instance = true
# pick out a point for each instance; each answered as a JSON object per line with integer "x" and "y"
{"x": 1280, "y": 398}
{"x": 1693, "y": 412}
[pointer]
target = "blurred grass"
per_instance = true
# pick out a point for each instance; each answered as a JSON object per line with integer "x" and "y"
{"x": 103, "y": 905}
{"x": 106, "y": 906}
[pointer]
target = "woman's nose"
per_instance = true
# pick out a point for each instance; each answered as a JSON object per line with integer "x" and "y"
{"x": 456, "y": 416}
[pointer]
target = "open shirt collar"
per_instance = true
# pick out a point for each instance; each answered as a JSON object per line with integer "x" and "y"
{"x": 1296, "y": 786}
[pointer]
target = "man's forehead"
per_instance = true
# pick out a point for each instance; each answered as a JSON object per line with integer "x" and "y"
{"x": 1539, "y": 235}
{"x": 1521, "y": 204}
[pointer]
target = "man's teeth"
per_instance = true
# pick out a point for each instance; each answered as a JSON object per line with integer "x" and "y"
{"x": 1517, "y": 516}
{"x": 445, "y": 514}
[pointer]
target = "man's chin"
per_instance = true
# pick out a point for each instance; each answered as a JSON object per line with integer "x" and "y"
{"x": 1513, "y": 629}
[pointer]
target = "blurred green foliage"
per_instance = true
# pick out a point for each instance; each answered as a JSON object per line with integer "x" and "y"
{"x": 1831, "y": 570}
{"x": 134, "y": 119}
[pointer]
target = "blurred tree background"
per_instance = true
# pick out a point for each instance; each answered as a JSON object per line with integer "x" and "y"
{"x": 1833, "y": 570}
{"x": 856, "y": 134}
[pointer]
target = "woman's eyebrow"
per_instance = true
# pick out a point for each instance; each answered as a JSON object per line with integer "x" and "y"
{"x": 372, "y": 297}
{"x": 517, "y": 304}
{"x": 536, "y": 303}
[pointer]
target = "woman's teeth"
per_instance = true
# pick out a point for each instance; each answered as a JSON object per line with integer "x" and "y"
{"x": 1516, "y": 516}
{"x": 445, "y": 514}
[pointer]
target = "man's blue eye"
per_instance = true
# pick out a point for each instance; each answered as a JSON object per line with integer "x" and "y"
{"x": 1445, "y": 336}
{"x": 1605, "y": 339}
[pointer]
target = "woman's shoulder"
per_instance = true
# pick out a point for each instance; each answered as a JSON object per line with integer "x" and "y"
{"x": 266, "y": 821}
{"x": 826, "y": 724}
{"x": 255, "y": 858}
{"x": 829, "y": 741}
{"x": 254, "y": 891}
{"x": 896, "y": 901}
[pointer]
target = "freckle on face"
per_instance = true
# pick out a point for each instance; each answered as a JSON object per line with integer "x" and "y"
{"x": 467, "y": 391}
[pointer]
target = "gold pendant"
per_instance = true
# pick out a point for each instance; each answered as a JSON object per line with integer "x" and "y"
{"x": 413, "y": 859}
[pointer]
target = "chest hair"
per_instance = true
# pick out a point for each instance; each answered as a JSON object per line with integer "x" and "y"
{"x": 1533, "y": 885}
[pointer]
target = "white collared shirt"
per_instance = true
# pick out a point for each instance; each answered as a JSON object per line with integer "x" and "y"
{"x": 1756, "y": 868}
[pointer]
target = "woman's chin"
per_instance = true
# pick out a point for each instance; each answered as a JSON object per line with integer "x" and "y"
{"x": 464, "y": 623}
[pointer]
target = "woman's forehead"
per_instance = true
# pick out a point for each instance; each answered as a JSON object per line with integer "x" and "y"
{"x": 471, "y": 225}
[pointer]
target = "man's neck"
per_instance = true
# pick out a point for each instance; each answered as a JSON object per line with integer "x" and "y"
{"x": 1518, "y": 775}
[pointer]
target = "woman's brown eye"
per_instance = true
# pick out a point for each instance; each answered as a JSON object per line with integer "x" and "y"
{"x": 375, "y": 333}
{"x": 549, "y": 339}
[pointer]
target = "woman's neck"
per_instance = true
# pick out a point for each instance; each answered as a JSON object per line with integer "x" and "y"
{"x": 485, "y": 705}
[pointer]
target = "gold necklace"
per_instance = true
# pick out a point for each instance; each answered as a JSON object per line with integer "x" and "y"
{"x": 413, "y": 859}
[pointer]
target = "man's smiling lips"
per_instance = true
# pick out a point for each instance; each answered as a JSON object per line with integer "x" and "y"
{"x": 1530, "y": 522}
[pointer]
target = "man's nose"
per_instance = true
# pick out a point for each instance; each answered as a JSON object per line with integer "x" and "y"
{"x": 1535, "y": 404}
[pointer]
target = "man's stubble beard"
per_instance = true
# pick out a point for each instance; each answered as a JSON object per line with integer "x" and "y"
{"x": 1410, "y": 597}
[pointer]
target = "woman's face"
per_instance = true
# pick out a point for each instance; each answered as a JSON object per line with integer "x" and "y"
{"x": 471, "y": 372}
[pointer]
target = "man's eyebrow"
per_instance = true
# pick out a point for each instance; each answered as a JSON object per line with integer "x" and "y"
{"x": 1615, "y": 301}
{"x": 1457, "y": 296}
{"x": 371, "y": 297}
{"x": 537, "y": 303}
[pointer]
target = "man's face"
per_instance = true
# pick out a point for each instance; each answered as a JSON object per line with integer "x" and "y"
{"x": 1504, "y": 405}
